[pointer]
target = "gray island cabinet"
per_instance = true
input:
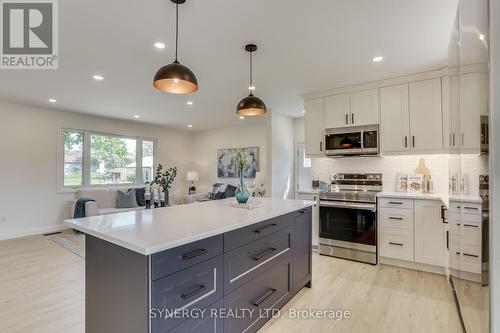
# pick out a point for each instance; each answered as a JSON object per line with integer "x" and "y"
{"x": 226, "y": 273}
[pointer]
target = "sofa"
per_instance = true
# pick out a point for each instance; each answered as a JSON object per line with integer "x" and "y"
{"x": 217, "y": 191}
{"x": 105, "y": 201}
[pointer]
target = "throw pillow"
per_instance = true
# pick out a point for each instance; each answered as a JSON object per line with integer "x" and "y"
{"x": 139, "y": 196}
{"x": 126, "y": 199}
{"x": 213, "y": 191}
{"x": 230, "y": 191}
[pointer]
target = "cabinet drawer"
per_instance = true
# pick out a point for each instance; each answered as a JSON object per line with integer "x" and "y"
{"x": 206, "y": 323}
{"x": 248, "y": 261}
{"x": 176, "y": 259}
{"x": 465, "y": 207}
{"x": 396, "y": 203}
{"x": 396, "y": 218}
{"x": 397, "y": 243}
{"x": 194, "y": 287}
{"x": 271, "y": 290}
{"x": 466, "y": 225}
{"x": 237, "y": 238}
{"x": 465, "y": 254}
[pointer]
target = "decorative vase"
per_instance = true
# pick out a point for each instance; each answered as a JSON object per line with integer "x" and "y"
{"x": 167, "y": 197}
{"x": 242, "y": 192}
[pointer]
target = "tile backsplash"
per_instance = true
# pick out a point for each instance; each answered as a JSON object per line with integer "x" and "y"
{"x": 471, "y": 167}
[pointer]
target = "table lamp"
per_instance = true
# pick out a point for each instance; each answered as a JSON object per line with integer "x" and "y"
{"x": 260, "y": 183}
{"x": 192, "y": 176}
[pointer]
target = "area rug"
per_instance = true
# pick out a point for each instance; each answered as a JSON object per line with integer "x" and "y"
{"x": 70, "y": 241}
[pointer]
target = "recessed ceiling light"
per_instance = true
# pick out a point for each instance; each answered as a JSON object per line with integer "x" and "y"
{"x": 377, "y": 59}
{"x": 189, "y": 102}
{"x": 136, "y": 116}
{"x": 251, "y": 88}
{"x": 481, "y": 37}
{"x": 159, "y": 45}
{"x": 303, "y": 111}
{"x": 52, "y": 100}
{"x": 242, "y": 117}
{"x": 98, "y": 77}
{"x": 190, "y": 126}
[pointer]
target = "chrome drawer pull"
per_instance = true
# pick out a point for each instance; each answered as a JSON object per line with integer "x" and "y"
{"x": 471, "y": 225}
{"x": 398, "y": 244}
{"x": 395, "y": 218}
{"x": 265, "y": 253}
{"x": 194, "y": 292}
{"x": 258, "y": 231}
{"x": 193, "y": 254}
{"x": 261, "y": 300}
{"x": 471, "y": 255}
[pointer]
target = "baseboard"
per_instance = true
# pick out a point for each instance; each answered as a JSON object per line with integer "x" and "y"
{"x": 412, "y": 265}
{"x": 474, "y": 277}
{"x": 31, "y": 232}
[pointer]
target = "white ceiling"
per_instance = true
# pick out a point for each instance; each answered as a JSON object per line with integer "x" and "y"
{"x": 304, "y": 46}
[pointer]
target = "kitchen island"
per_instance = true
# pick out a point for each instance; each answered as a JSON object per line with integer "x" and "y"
{"x": 204, "y": 267}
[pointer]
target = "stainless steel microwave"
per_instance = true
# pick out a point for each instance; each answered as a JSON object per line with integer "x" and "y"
{"x": 355, "y": 140}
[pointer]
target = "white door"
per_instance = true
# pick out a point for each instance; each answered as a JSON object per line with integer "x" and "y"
{"x": 314, "y": 126}
{"x": 426, "y": 122}
{"x": 473, "y": 104}
{"x": 337, "y": 111}
{"x": 429, "y": 240}
{"x": 394, "y": 118}
{"x": 364, "y": 107}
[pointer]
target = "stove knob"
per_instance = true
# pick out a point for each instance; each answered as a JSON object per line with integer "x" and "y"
{"x": 334, "y": 176}
{"x": 377, "y": 177}
{"x": 341, "y": 176}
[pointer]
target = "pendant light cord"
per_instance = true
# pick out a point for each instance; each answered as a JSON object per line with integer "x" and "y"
{"x": 176, "y": 30}
{"x": 251, "y": 76}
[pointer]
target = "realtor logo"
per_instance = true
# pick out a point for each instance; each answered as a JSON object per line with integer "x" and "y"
{"x": 29, "y": 34}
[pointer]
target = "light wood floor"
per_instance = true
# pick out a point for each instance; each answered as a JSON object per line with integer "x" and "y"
{"x": 42, "y": 290}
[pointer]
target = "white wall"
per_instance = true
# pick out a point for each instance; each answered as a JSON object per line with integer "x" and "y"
{"x": 29, "y": 202}
{"x": 206, "y": 144}
{"x": 280, "y": 133}
{"x": 494, "y": 39}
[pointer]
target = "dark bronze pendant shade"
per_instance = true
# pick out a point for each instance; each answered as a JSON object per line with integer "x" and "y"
{"x": 251, "y": 105}
{"x": 176, "y": 78}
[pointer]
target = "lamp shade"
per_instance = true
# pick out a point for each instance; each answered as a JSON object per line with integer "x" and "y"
{"x": 251, "y": 106}
{"x": 175, "y": 78}
{"x": 260, "y": 178}
{"x": 192, "y": 176}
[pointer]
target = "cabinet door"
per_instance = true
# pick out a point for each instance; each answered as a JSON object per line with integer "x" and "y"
{"x": 364, "y": 107}
{"x": 301, "y": 250}
{"x": 429, "y": 242}
{"x": 451, "y": 112}
{"x": 394, "y": 118}
{"x": 314, "y": 126}
{"x": 426, "y": 122}
{"x": 473, "y": 104}
{"x": 337, "y": 111}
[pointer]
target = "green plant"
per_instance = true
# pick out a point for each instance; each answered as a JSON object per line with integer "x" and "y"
{"x": 240, "y": 158}
{"x": 165, "y": 178}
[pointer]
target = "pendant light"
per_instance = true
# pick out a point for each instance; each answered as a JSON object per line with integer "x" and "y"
{"x": 251, "y": 105}
{"x": 176, "y": 78}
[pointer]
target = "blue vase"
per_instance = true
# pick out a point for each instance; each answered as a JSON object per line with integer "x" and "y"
{"x": 242, "y": 192}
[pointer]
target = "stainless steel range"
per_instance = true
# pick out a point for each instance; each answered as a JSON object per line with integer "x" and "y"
{"x": 348, "y": 217}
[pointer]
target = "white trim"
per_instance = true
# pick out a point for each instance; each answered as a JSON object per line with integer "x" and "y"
{"x": 34, "y": 231}
{"x": 86, "y": 160}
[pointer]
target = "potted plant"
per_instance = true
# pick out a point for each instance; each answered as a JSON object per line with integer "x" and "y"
{"x": 164, "y": 179}
{"x": 242, "y": 192}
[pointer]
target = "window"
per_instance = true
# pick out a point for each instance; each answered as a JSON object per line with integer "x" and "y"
{"x": 96, "y": 159}
{"x": 73, "y": 158}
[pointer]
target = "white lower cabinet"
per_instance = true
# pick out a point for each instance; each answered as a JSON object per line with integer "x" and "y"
{"x": 413, "y": 232}
{"x": 315, "y": 215}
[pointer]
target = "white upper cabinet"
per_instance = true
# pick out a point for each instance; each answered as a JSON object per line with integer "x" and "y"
{"x": 473, "y": 104}
{"x": 394, "y": 118}
{"x": 426, "y": 122}
{"x": 429, "y": 241}
{"x": 451, "y": 112}
{"x": 364, "y": 107}
{"x": 337, "y": 111}
{"x": 314, "y": 126}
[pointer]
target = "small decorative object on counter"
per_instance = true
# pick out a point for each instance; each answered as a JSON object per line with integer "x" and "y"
{"x": 401, "y": 182}
{"x": 249, "y": 205}
{"x": 260, "y": 182}
{"x": 423, "y": 170}
{"x": 415, "y": 183}
{"x": 164, "y": 179}
{"x": 147, "y": 195}
{"x": 242, "y": 192}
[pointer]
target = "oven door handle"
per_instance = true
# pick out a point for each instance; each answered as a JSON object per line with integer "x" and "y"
{"x": 348, "y": 205}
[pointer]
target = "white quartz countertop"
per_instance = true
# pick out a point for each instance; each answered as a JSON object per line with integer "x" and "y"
{"x": 444, "y": 197}
{"x": 154, "y": 230}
